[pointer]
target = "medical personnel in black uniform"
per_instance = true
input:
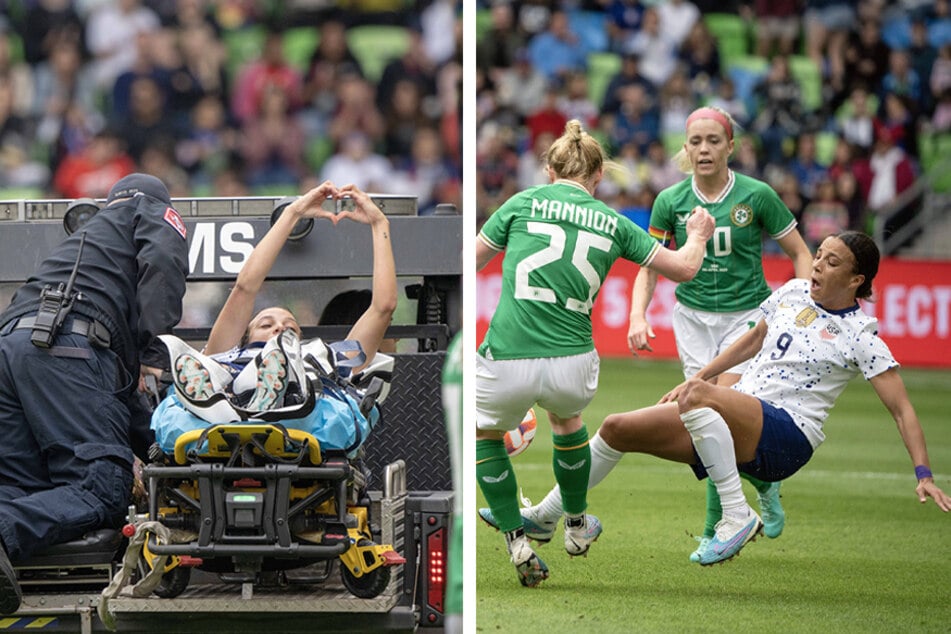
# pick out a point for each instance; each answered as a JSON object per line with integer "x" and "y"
{"x": 72, "y": 356}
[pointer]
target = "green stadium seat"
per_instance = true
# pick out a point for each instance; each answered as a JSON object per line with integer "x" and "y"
{"x": 374, "y": 45}
{"x": 731, "y": 33}
{"x": 21, "y": 193}
{"x": 299, "y": 45}
{"x": 243, "y": 45}
{"x": 804, "y": 70}
{"x": 602, "y": 67}
{"x": 825, "y": 147}
{"x": 673, "y": 142}
{"x": 483, "y": 22}
{"x": 935, "y": 154}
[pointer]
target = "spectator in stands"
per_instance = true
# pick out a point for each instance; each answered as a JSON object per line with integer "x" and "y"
{"x": 18, "y": 168}
{"x": 414, "y": 65}
{"x": 18, "y": 74}
{"x": 847, "y": 191}
{"x": 547, "y": 116}
{"x": 158, "y": 159}
{"x": 661, "y": 169}
{"x": 496, "y": 50}
{"x": 532, "y": 164}
{"x": 272, "y": 144}
{"x": 806, "y": 167}
{"x": 890, "y": 172}
{"x": 202, "y": 68}
{"x": 940, "y": 79}
{"x": 699, "y": 55}
{"x": 255, "y": 78}
{"x": 45, "y": 24}
{"x": 355, "y": 162}
{"x": 624, "y": 20}
{"x": 826, "y": 215}
{"x": 746, "y": 159}
{"x": 58, "y": 81}
{"x": 923, "y": 56}
{"x": 629, "y": 74}
{"x": 403, "y": 116}
{"x": 827, "y": 24}
{"x": 677, "y": 18}
{"x": 777, "y": 26}
{"x": 727, "y": 100}
{"x": 147, "y": 120}
{"x": 498, "y": 167}
{"x": 856, "y": 121}
{"x": 145, "y": 65}
{"x": 677, "y": 101}
{"x": 902, "y": 79}
{"x": 95, "y": 168}
{"x": 574, "y": 103}
{"x": 355, "y": 111}
{"x": 866, "y": 55}
{"x": 780, "y": 114}
{"x": 655, "y": 47}
{"x": 209, "y": 141}
{"x": 330, "y": 61}
{"x": 558, "y": 50}
{"x": 521, "y": 87}
{"x": 636, "y": 121}
{"x": 898, "y": 114}
{"x": 109, "y": 29}
{"x": 426, "y": 173}
{"x": 941, "y": 119}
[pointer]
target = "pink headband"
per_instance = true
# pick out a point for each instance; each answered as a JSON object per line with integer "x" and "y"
{"x": 711, "y": 113}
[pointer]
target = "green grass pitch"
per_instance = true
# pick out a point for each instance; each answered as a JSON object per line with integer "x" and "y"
{"x": 859, "y": 552}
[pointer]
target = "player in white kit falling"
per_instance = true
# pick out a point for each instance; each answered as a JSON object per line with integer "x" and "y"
{"x": 812, "y": 339}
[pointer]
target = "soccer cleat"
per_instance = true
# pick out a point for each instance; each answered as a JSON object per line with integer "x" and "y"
{"x": 771, "y": 509}
{"x": 192, "y": 377}
{"x": 702, "y": 548}
{"x": 730, "y": 536}
{"x": 540, "y": 532}
{"x": 580, "y": 533}
{"x": 272, "y": 381}
{"x": 10, "y": 594}
{"x": 529, "y": 566}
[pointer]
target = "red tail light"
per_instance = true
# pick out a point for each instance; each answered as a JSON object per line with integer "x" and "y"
{"x": 436, "y": 569}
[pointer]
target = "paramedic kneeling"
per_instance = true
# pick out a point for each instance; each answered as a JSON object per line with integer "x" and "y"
{"x": 75, "y": 344}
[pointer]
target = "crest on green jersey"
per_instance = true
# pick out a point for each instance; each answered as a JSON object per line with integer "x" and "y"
{"x": 741, "y": 215}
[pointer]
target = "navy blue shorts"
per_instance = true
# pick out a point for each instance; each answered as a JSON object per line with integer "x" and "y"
{"x": 783, "y": 449}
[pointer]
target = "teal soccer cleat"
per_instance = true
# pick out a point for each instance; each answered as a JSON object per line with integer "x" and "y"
{"x": 731, "y": 535}
{"x": 774, "y": 517}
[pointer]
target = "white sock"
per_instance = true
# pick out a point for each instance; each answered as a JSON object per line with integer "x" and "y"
{"x": 714, "y": 444}
{"x": 603, "y": 459}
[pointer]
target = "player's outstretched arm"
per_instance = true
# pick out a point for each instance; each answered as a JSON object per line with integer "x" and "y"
{"x": 681, "y": 265}
{"x": 370, "y": 328}
{"x": 639, "y": 332}
{"x": 891, "y": 390}
{"x": 235, "y": 315}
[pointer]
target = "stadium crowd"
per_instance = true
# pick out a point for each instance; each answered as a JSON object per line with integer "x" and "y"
{"x": 231, "y": 97}
{"x": 834, "y": 96}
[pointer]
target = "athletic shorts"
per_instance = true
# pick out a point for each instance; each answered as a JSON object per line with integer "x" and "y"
{"x": 701, "y": 335}
{"x": 506, "y": 389}
{"x": 783, "y": 449}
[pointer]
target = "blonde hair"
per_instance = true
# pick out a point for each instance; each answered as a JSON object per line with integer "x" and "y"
{"x": 682, "y": 160}
{"x": 576, "y": 155}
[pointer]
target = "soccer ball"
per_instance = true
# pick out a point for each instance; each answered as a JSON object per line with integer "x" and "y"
{"x": 518, "y": 440}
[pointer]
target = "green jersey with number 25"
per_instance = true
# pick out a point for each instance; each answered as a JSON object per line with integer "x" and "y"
{"x": 560, "y": 243}
{"x": 731, "y": 277}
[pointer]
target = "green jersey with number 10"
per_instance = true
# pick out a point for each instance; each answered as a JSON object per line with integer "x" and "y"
{"x": 731, "y": 278}
{"x": 560, "y": 243}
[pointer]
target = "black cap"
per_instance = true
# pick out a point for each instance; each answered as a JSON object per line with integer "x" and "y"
{"x": 134, "y": 184}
